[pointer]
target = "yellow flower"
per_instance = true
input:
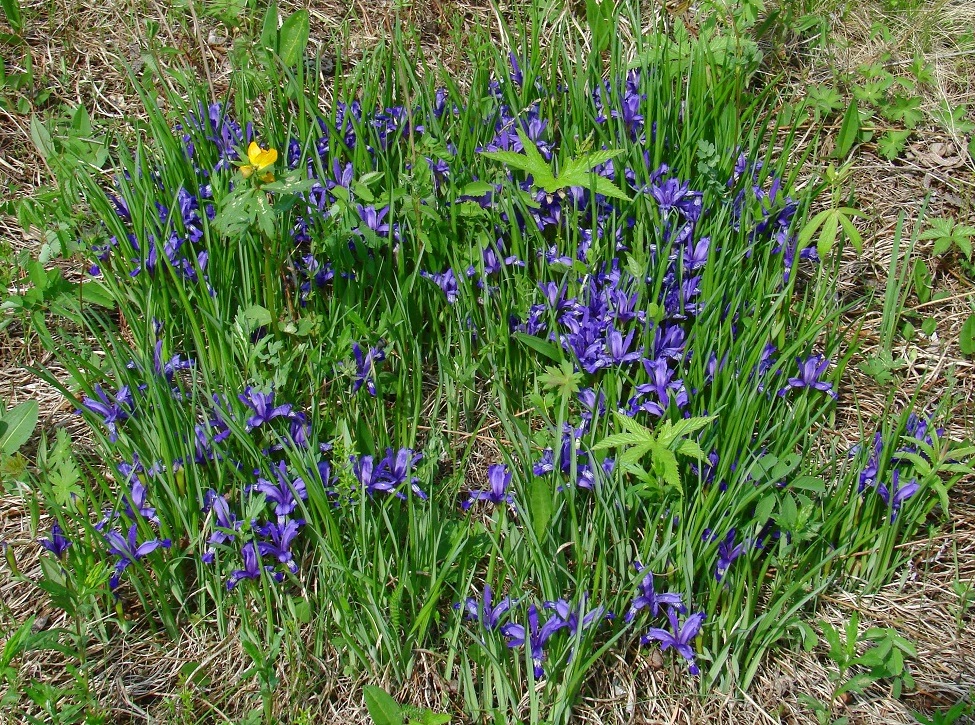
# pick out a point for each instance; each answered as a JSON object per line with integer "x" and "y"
{"x": 259, "y": 159}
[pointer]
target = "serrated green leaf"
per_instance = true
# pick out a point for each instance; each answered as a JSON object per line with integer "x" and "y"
{"x": 620, "y": 439}
{"x": 691, "y": 448}
{"x": 602, "y": 185}
{"x": 637, "y": 452}
{"x": 892, "y": 144}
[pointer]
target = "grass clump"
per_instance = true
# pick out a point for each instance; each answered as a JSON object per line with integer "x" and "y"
{"x": 320, "y": 323}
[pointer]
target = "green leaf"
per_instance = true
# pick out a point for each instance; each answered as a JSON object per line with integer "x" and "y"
{"x": 620, "y": 439}
{"x": 383, "y": 709}
{"x": 828, "y": 234}
{"x": 539, "y": 345}
{"x": 849, "y": 131}
{"x": 606, "y": 187}
{"x": 269, "y": 29}
{"x": 294, "y": 38}
{"x": 763, "y": 512}
{"x": 20, "y": 423}
{"x": 540, "y": 506}
{"x": 966, "y": 340}
{"x": 11, "y": 8}
{"x": 892, "y": 143}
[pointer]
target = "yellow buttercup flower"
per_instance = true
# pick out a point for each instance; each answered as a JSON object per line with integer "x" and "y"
{"x": 259, "y": 159}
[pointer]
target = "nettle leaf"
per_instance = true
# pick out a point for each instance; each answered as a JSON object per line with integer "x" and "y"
{"x": 565, "y": 378}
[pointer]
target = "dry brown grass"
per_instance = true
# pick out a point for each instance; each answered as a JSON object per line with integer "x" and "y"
{"x": 80, "y": 53}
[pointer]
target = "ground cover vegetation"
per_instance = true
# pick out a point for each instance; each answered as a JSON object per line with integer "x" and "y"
{"x": 506, "y": 378}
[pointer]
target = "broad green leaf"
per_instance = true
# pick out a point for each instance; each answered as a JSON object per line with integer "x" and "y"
{"x": 540, "y": 506}
{"x": 892, "y": 143}
{"x": 477, "y": 188}
{"x": 269, "y": 29}
{"x": 539, "y": 345}
{"x": 637, "y": 452}
{"x": 20, "y": 423}
{"x": 691, "y": 448}
{"x": 828, "y": 235}
{"x": 294, "y": 38}
{"x": 763, "y": 511}
{"x": 383, "y": 709}
{"x": 966, "y": 340}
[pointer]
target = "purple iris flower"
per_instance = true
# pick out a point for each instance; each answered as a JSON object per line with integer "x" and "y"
{"x": 396, "y": 468}
{"x": 137, "y": 502}
{"x": 809, "y": 373}
{"x": 112, "y": 411}
{"x": 281, "y": 534}
{"x": 389, "y": 474}
{"x": 681, "y": 638}
{"x": 897, "y": 494}
{"x": 536, "y": 636}
{"x": 574, "y": 617}
{"x": 447, "y": 282}
{"x": 285, "y": 494}
{"x": 489, "y": 616}
{"x": 372, "y": 219}
{"x": 170, "y": 367}
{"x": 868, "y": 476}
{"x": 252, "y": 566}
{"x": 225, "y": 520}
{"x": 58, "y": 543}
{"x": 499, "y": 478}
{"x": 129, "y": 551}
{"x": 617, "y": 348}
{"x": 263, "y": 406}
{"x": 669, "y": 193}
{"x": 365, "y": 367}
{"x": 728, "y": 551}
{"x": 648, "y": 597}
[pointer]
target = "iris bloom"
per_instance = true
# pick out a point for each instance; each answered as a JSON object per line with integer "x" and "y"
{"x": 57, "y": 544}
{"x": 810, "y": 373}
{"x": 897, "y": 494}
{"x": 728, "y": 551}
{"x": 263, "y": 406}
{"x": 252, "y": 567}
{"x": 129, "y": 551}
{"x": 111, "y": 411}
{"x": 536, "y": 636}
{"x": 681, "y": 638}
{"x": 499, "y": 478}
{"x": 259, "y": 159}
{"x": 489, "y": 616}
{"x": 648, "y": 597}
{"x": 285, "y": 494}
